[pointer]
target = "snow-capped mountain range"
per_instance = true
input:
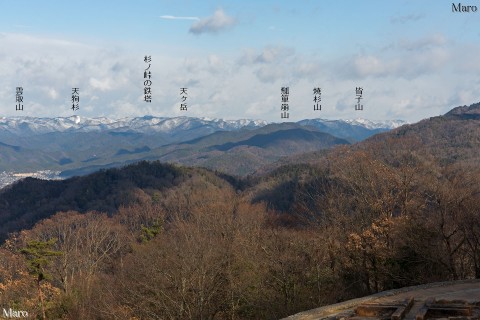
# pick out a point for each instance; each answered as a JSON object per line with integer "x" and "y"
{"x": 26, "y": 126}
{"x": 76, "y": 145}
{"x": 386, "y": 124}
{"x": 146, "y": 124}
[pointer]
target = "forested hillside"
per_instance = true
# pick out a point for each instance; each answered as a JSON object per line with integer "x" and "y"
{"x": 155, "y": 241}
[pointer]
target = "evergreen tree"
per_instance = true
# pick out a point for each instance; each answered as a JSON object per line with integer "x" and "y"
{"x": 39, "y": 256}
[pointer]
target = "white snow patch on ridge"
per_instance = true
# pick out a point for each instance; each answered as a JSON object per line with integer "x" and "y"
{"x": 26, "y": 126}
{"x": 147, "y": 124}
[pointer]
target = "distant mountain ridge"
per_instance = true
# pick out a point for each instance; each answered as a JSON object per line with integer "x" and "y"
{"x": 240, "y": 152}
{"x": 76, "y": 145}
{"x": 465, "y": 112}
{"x": 352, "y": 130}
{"x": 27, "y": 126}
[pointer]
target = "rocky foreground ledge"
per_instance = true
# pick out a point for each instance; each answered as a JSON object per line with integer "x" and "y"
{"x": 454, "y": 296}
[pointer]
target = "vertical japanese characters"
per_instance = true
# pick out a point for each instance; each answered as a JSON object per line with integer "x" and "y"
{"x": 317, "y": 99}
{"x": 19, "y": 99}
{"x": 147, "y": 76}
{"x": 75, "y": 99}
{"x": 285, "y": 108}
{"x": 359, "y": 96}
{"x": 183, "y": 97}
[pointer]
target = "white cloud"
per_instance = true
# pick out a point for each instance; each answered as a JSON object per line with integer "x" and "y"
{"x": 370, "y": 65}
{"x": 425, "y": 43}
{"x": 269, "y": 74}
{"x": 48, "y": 68}
{"x": 407, "y": 18}
{"x": 52, "y": 93}
{"x": 269, "y": 54}
{"x": 311, "y": 69}
{"x": 469, "y": 63}
{"x": 273, "y": 63}
{"x": 399, "y": 82}
{"x": 167, "y": 17}
{"x": 214, "y": 24}
{"x": 104, "y": 84}
{"x": 406, "y": 58}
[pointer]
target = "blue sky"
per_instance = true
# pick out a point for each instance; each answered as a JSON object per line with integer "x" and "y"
{"x": 414, "y": 59}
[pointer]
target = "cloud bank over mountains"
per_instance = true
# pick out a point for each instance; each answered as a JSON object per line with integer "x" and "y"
{"x": 411, "y": 76}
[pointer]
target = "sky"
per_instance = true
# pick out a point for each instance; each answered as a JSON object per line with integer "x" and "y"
{"x": 413, "y": 59}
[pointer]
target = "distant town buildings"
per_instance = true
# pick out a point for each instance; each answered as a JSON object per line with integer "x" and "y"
{"x": 7, "y": 178}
